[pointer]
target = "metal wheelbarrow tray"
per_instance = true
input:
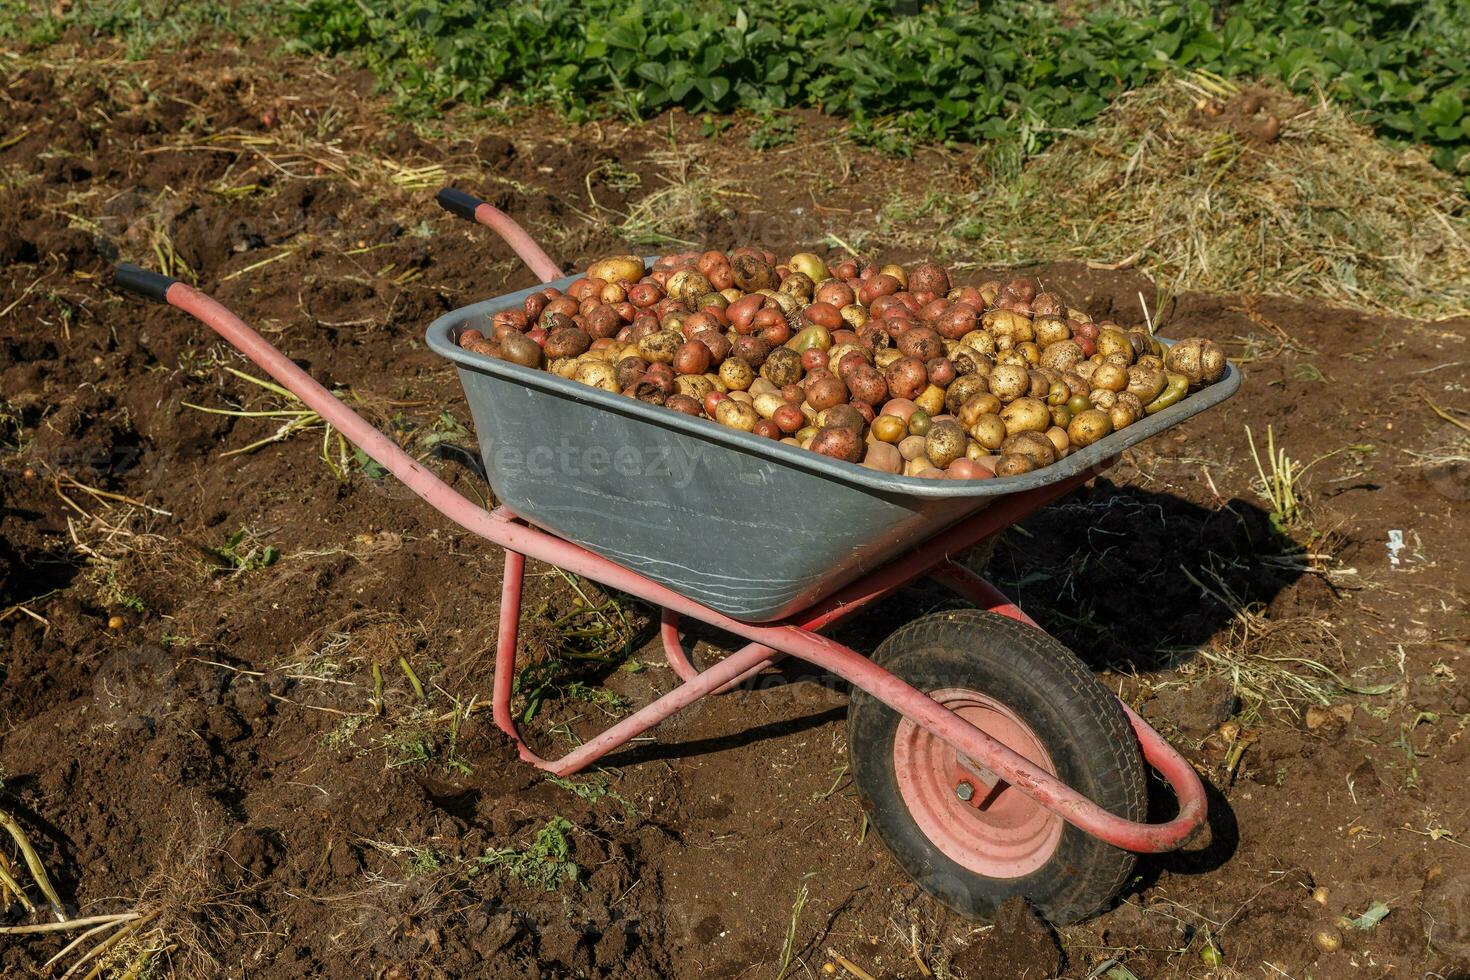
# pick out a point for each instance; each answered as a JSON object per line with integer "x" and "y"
{"x": 970, "y": 732}
{"x": 752, "y": 527}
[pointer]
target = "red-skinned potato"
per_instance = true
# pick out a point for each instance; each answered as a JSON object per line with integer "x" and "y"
{"x": 956, "y": 322}
{"x": 718, "y": 344}
{"x": 906, "y": 377}
{"x": 941, "y": 371}
{"x": 752, "y": 349}
{"x": 692, "y": 357}
{"x": 683, "y": 403}
{"x": 920, "y": 342}
{"x": 965, "y": 468}
{"x": 881, "y": 284}
{"x": 823, "y": 315}
{"x": 928, "y": 277}
{"x": 839, "y": 442}
{"x": 883, "y": 457}
{"x": 788, "y": 418}
{"x": 867, "y": 386}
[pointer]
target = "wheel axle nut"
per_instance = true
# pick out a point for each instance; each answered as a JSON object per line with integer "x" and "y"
{"x": 965, "y": 792}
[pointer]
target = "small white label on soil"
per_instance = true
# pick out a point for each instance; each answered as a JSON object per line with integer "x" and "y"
{"x": 1395, "y": 545}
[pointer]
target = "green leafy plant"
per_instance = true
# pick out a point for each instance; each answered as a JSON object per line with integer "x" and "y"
{"x": 243, "y": 553}
{"x": 1012, "y": 72}
{"x": 546, "y": 862}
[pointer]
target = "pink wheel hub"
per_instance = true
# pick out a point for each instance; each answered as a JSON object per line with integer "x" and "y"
{"x": 977, "y": 820}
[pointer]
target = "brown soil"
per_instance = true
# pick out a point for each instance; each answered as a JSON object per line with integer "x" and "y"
{"x": 214, "y": 757}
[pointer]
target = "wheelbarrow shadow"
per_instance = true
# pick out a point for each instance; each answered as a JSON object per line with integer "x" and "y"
{"x": 1134, "y": 581}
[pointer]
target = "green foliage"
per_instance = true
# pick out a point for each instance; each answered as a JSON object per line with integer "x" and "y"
{"x": 547, "y": 862}
{"x": 243, "y": 553}
{"x": 141, "y": 25}
{"x": 1011, "y": 71}
{"x": 773, "y": 131}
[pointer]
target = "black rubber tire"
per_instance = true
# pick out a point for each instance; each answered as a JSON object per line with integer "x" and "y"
{"x": 1078, "y": 721}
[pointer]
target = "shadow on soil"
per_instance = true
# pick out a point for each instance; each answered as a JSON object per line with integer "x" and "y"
{"x": 1112, "y": 572}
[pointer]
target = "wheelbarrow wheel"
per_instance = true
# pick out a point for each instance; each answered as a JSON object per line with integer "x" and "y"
{"x": 968, "y": 840}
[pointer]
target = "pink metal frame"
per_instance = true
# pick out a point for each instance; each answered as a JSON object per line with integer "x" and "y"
{"x": 768, "y": 642}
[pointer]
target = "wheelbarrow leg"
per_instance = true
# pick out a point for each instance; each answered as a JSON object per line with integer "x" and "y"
{"x": 505, "y": 646}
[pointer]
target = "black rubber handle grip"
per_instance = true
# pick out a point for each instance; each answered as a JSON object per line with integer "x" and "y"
{"x": 149, "y": 285}
{"x": 458, "y": 203}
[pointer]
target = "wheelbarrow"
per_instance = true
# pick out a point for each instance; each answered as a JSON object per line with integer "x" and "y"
{"x": 989, "y": 759}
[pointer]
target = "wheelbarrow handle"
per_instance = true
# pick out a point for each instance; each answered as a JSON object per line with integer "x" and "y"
{"x": 471, "y": 208}
{"x": 143, "y": 282}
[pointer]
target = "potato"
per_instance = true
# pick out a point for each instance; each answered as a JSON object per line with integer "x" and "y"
{"x": 619, "y": 268}
{"x": 981, "y": 341}
{"x": 1063, "y": 355}
{"x": 911, "y": 447}
{"x": 660, "y": 347}
{"x": 687, "y": 286}
{"x": 598, "y": 374}
{"x": 1111, "y": 340}
{"x": 945, "y": 443}
{"x": 1109, "y": 377}
{"x": 1125, "y": 410}
{"x": 800, "y": 285}
{"x": 1146, "y": 382}
{"x": 839, "y": 442}
{"x": 782, "y": 366}
{"x": 1032, "y": 444}
{"x": 1009, "y": 382}
{"x": 1008, "y": 324}
{"x": 736, "y": 374}
{"x": 809, "y": 265}
{"x": 883, "y": 457}
{"x": 982, "y": 403}
{"x": 854, "y": 315}
{"x": 736, "y": 414}
{"x": 1197, "y": 359}
{"x": 989, "y": 431}
{"x": 1014, "y": 464}
{"x": 696, "y": 386}
{"x": 1026, "y": 415}
{"x": 1089, "y": 426}
{"x": 918, "y": 467}
{"x": 1050, "y": 330}
{"x": 931, "y": 399}
{"x": 520, "y": 349}
{"x": 1059, "y": 440}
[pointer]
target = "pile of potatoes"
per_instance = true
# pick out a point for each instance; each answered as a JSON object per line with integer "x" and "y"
{"x": 888, "y": 366}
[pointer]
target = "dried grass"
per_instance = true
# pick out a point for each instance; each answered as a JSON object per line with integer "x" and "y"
{"x": 1326, "y": 210}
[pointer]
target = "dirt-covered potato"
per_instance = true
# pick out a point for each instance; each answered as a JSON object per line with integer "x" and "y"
{"x": 598, "y": 374}
{"x": 1146, "y": 382}
{"x": 989, "y": 430}
{"x": 1198, "y": 359}
{"x": 1009, "y": 382}
{"x": 945, "y": 443}
{"x": 1033, "y": 444}
{"x": 1026, "y": 415}
{"x": 1089, "y": 426}
{"x": 1014, "y": 464}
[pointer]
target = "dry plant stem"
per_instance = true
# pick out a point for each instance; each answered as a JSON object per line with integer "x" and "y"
{"x": 92, "y": 920}
{"x": 849, "y": 965}
{"x": 105, "y": 945}
{"x": 12, "y": 887}
{"x": 111, "y": 922}
{"x": 1444, "y": 414}
{"x": 33, "y": 862}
